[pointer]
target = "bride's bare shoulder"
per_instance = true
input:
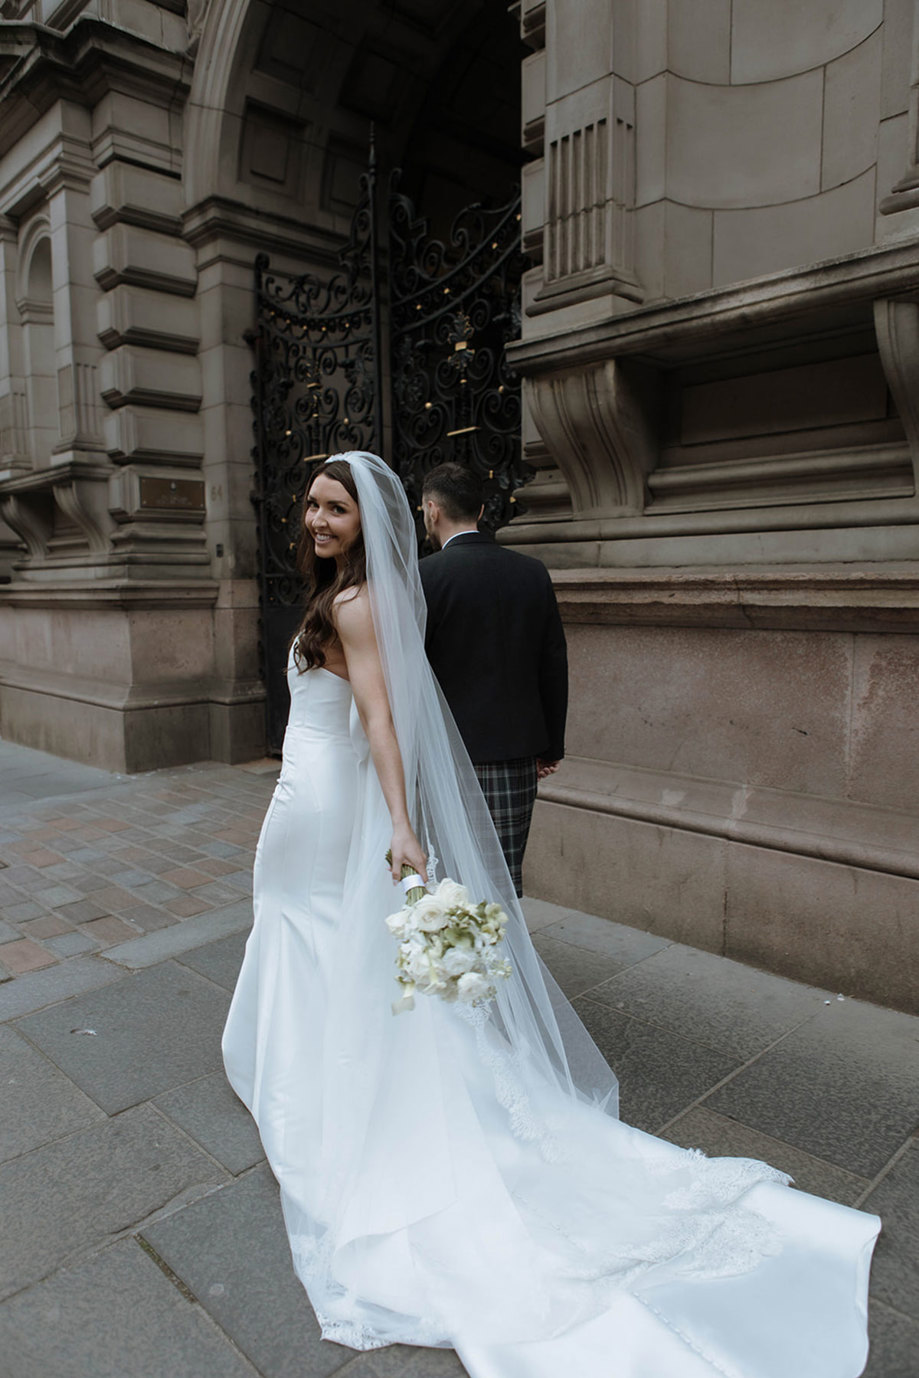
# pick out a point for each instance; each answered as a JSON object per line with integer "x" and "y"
{"x": 351, "y": 610}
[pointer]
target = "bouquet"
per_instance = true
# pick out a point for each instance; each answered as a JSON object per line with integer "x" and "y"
{"x": 447, "y": 944}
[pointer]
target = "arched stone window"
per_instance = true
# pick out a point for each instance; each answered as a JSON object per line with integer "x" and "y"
{"x": 36, "y": 311}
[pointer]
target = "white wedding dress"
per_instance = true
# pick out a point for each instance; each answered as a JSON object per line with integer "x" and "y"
{"x": 440, "y": 1189}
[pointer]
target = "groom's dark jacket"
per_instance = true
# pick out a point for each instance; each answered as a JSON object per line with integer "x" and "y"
{"x": 496, "y": 644}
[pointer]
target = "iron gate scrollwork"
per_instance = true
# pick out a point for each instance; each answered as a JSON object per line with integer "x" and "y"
{"x": 454, "y": 306}
{"x": 318, "y": 385}
{"x": 315, "y": 392}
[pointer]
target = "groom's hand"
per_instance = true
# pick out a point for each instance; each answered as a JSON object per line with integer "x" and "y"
{"x": 544, "y": 768}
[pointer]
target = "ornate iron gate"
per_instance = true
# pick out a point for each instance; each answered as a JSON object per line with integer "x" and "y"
{"x": 318, "y": 382}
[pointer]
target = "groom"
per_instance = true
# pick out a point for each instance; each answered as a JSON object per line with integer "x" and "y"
{"x": 496, "y": 644}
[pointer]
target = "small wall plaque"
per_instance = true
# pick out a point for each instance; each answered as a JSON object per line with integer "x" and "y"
{"x": 172, "y": 494}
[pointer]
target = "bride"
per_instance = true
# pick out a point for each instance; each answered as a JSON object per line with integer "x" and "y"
{"x": 456, "y": 1176}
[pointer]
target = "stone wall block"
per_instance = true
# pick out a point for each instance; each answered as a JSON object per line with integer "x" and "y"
{"x": 699, "y": 40}
{"x": 533, "y": 23}
{"x": 897, "y": 327}
{"x": 533, "y": 72}
{"x": 151, "y": 378}
{"x": 650, "y": 19}
{"x": 135, "y": 433}
{"x": 579, "y": 45}
{"x": 597, "y": 424}
{"x": 657, "y": 879}
{"x": 771, "y": 41}
{"x": 137, "y": 315}
{"x": 811, "y": 396}
{"x": 123, "y": 192}
{"x": 127, "y": 127}
{"x": 851, "y": 112}
{"x": 766, "y": 239}
{"x": 884, "y": 725}
{"x": 897, "y": 39}
{"x": 533, "y": 208}
{"x": 651, "y": 140}
{"x": 840, "y": 927}
{"x": 762, "y": 708}
{"x": 143, "y": 258}
{"x": 733, "y": 146}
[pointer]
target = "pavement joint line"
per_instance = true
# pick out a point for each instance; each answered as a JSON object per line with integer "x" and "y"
{"x": 649, "y": 956}
{"x": 661, "y": 1130}
{"x": 675, "y": 1033}
{"x": 888, "y": 1167}
{"x": 164, "y": 943}
{"x": 165, "y": 1269}
{"x": 179, "y": 1129}
{"x": 875, "y": 1304}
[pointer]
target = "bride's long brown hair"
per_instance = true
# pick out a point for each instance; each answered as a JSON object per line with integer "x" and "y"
{"x": 324, "y": 579}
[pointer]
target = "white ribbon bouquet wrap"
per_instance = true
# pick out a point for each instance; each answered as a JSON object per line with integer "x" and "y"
{"x": 448, "y": 945}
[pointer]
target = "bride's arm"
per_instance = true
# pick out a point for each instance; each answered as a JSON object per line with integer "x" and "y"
{"x": 354, "y": 624}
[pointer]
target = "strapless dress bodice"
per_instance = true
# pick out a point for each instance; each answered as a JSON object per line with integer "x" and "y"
{"x": 320, "y": 701}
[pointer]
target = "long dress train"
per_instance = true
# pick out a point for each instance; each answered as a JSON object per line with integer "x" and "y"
{"x": 435, "y": 1192}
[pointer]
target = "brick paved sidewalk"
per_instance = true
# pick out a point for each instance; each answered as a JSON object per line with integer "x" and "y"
{"x": 114, "y": 857}
{"x": 140, "y": 1229}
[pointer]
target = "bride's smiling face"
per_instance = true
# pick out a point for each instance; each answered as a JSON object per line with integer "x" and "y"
{"x": 332, "y": 518}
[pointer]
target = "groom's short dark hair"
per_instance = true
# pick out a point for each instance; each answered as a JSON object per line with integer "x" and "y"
{"x": 457, "y": 490}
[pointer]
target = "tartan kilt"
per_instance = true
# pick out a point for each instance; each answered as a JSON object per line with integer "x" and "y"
{"x": 510, "y": 793}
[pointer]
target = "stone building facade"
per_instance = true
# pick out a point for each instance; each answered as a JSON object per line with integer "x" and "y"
{"x": 720, "y": 354}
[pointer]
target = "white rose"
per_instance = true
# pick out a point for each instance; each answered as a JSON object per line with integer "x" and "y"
{"x": 428, "y": 915}
{"x": 418, "y": 966}
{"x": 472, "y": 987}
{"x": 452, "y": 895}
{"x": 458, "y": 960}
{"x": 396, "y": 923}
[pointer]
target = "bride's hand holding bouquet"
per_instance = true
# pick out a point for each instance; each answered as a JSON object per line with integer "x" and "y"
{"x": 448, "y": 944}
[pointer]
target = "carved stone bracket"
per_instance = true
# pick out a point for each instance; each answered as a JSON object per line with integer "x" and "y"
{"x": 897, "y": 325}
{"x": 31, "y": 516}
{"x": 59, "y": 513}
{"x": 597, "y": 424}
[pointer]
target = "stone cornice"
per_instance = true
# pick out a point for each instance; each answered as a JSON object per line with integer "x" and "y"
{"x": 813, "y": 516}
{"x": 38, "y": 479}
{"x": 825, "y": 296}
{"x": 825, "y": 598}
{"x": 93, "y": 57}
{"x": 848, "y": 833}
{"x": 122, "y": 697}
{"x": 130, "y": 595}
{"x": 220, "y": 218}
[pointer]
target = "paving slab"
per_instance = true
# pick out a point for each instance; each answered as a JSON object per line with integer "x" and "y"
{"x": 38, "y": 989}
{"x": 575, "y": 969}
{"x": 712, "y": 999}
{"x": 114, "y": 1315}
{"x": 625, "y": 946}
{"x": 153, "y": 1031}
{"x": 210, "y": 1112}
{"x": 37, "y": 1102}
{"x": 894, "y": 1344}
{"x": 843, "y": 1086}
{"x": 660, "y": 1073}
{"x": 540, "y": 913}
{"x": 231, "y": 1250}
{"x": 181, "y": 937}
{"x": 895, "y": 1274}
{"x": 69, "y": 1196}
{"x": 219, "y": 961}
{"x": 719, "y": 1137}
{"x": 399, "y": 1361}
